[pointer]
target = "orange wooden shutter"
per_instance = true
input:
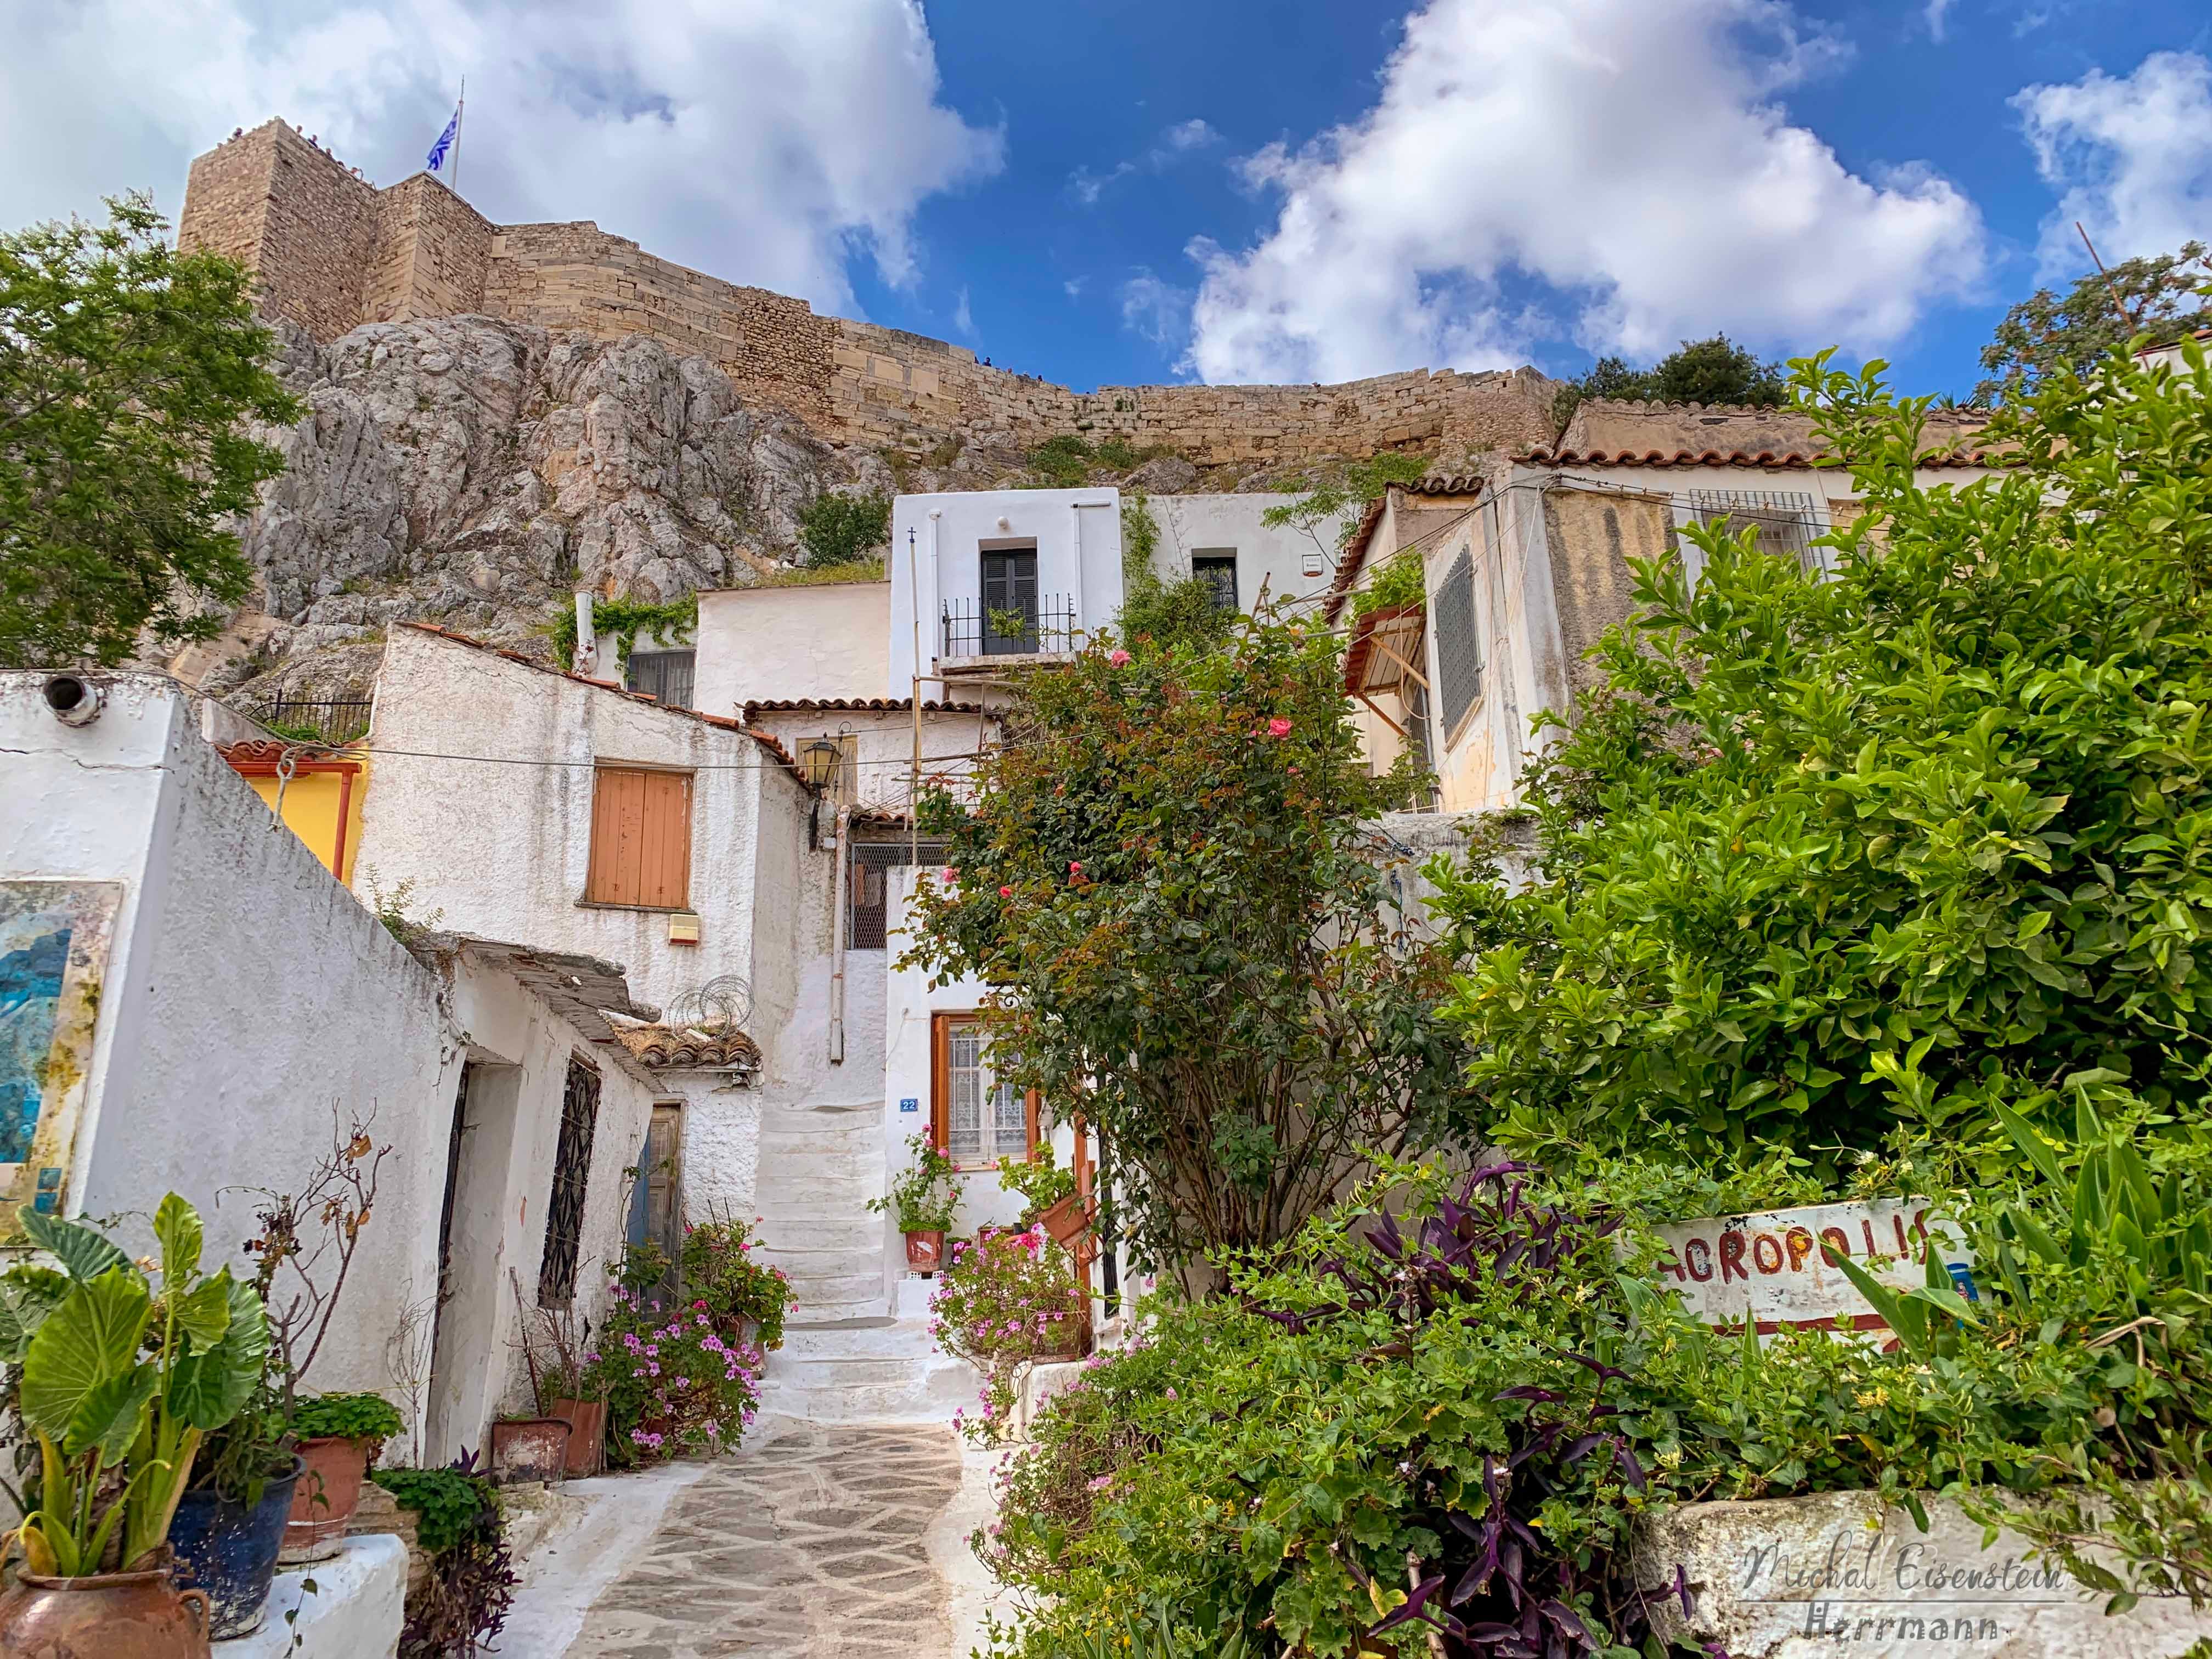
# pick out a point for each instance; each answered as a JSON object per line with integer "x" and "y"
{"x": 641, "y": 839}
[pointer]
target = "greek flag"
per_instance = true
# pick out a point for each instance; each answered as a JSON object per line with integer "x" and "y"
{"x": 445, "y": 142}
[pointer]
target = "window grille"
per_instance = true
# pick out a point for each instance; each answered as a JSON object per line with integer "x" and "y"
{"x": 572, "y": 1170}
{"x": 971, "y": 627}
{"x": 1217, "y": 569}
{"x": 667, "y": 674}
{"x": 867, "y": 894}
{"x": 1786, "y": 521}
{"x": 985, "y": 1119}
{"x": 1459, "y": 647}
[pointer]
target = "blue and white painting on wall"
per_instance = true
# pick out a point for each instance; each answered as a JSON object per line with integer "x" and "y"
{"x": 54, "y": 937}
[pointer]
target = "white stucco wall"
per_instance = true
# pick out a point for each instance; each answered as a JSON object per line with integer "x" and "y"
{"x": 247, "y": 997}
{"x": 789, "y": 642}
{"x": 1279, "y": 558}
{"x": 936, "y": 558}
{"x": 910, "y": 1002}
{"x": 521, "y": 1048}
{"x": 504, "y": 849}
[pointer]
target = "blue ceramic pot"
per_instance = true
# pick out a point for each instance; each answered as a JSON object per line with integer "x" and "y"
{"x": 230, "y": 1551}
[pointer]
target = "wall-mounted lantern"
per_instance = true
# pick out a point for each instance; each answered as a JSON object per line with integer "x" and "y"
{"x": 820, "y": 759}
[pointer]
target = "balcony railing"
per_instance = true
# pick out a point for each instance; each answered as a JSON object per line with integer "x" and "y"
{"x": 973, "y": 630}
{"x": 314, "y": 720}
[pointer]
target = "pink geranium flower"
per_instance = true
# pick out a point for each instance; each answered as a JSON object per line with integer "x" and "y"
{"x": 1279, "y": 728}
{"x": 1119, "y": 659}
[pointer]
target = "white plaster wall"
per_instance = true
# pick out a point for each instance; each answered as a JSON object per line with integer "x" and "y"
{"x": 503, "y": 850}
{"x": 1277, "y": 557}
{"x": 522, "y": 1048}
{"x": 790, "y": 642}
{"x": 936, "y": 558}
{"x": 884, "y": 746}
{"x": 248, "y": 995}
{"x": 1478, "y": 763}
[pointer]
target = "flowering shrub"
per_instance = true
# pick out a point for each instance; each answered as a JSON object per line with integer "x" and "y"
{"x": 720, "y": 1269}
{"x": 676, "y": 1386}
{"x": 1005, "y": 1299}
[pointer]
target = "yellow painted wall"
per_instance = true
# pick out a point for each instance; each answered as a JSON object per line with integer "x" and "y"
{"x": 311, "y": 813}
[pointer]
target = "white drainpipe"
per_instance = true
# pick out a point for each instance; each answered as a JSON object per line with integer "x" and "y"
{"x": 841, "y": 866}
{"x": 587, "y": 642}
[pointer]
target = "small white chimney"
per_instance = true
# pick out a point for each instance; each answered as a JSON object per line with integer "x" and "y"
{"x": 587, "y": 642}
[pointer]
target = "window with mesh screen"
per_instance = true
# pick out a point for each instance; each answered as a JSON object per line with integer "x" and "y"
{"x": 572, "y": 1168}
{"x": 1216, "y": 567}
{"x": 979, "y": 1117}
{"x": 867, "y": 887}
{"x": 665, "y": 674}
{"x": 1459, "y": 645}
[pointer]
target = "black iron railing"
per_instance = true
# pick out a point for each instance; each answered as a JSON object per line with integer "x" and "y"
{"x": 972, "y": 629}
{"x": 318, "y": 719}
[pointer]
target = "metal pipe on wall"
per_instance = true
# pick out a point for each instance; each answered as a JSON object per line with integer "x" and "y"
{"x": 841, "y": 867}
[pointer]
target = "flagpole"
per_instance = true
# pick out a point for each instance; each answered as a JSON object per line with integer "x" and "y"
{"x": 460, "y": 110}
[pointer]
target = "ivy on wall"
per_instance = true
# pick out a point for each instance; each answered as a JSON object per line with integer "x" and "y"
{"x": 623, "y": 621}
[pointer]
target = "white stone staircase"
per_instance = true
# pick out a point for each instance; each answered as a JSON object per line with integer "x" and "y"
{"x": 846, "y": 1356}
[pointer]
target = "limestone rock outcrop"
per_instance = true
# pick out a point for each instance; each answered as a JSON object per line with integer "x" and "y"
{"x": 475, "y": 470}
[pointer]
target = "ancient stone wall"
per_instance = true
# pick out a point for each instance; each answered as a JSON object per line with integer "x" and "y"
{"x": 332, "y": 251}
{"x": 1610, "y": 425}
{"x": 292, "y": 214}
{"x": 574, "y": 276}
{"x": 433, "y": 251}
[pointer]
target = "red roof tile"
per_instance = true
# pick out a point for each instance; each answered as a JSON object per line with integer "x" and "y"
{"x": 1765, "y": 459}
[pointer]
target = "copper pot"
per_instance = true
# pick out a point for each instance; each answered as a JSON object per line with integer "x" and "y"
{"x": 525, "y": 1449}
{"x": 587, "y": 1433}
{"x": 324, "y": 1502}
{"x": 114, "y": 1615}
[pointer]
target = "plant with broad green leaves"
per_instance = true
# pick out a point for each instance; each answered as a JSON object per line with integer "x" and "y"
{"x": 120, "y": 1383}
{"x": 1038, "y": 1179}
{"x": 369, "y": 1418}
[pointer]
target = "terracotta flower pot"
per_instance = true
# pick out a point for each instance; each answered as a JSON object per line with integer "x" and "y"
{"x": 587, "y": 1433}
{"x": 1063, "y": 1222}
{"x": 925, "y": 1252}
{"x": 324, "y": 1502}
{"x": 116, "y": 1615}
{"x": 529, "y": 1448}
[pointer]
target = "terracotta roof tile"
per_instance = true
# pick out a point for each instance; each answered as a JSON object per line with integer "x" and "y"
{"x": 1355, "y": 550}
{"x": 863, "y": 705}
{"x": 1767, "y": 459}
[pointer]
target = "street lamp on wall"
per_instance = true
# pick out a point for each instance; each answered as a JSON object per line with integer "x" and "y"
{"x": 819, "y": 760}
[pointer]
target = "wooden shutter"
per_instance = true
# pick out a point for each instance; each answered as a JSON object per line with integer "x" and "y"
{"x": 641, "y": 839}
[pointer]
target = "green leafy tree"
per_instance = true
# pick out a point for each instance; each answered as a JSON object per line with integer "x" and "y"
{"x": 1345, "y": 497}
{"x": 1714, "y": 371}
{"x": 1832, "y": 866}
{"x": 1164, "y": 881}
{"x": 842, "y": 529}
{"x": 127, "y": 373}
{"x": 2160, "y": 297}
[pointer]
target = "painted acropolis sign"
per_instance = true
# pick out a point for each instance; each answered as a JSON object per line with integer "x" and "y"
{"x": 1770, "y": 1265}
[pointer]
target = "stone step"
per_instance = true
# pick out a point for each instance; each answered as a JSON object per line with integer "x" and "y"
{"x": 813, "y": 1293}
{"x": 867, "y": 1307}
{"x": 827, "y": 1133}
{"x": 793, "y": 1194}
{"x": 848, "y": 1371}
{"x": 887, "y": 1339}
{"x": 821, "y": 1233}
{"x": 931, "y": 1396}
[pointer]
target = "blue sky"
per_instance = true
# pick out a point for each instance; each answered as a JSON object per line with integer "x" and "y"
{"x": 1132, "y": 192}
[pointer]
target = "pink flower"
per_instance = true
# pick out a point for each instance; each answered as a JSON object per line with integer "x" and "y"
{"x": 1119, "y": 659}
{"x": 1075, "y": 866}
{"x": 1279, "y": 728}
{"x": 1006, "y": 892}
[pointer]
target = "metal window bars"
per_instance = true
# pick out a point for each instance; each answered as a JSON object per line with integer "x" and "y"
{"x": 974, "y": 629}
{"x": 667, "y": 674}
{"x": 1788, "y": 521}
{"x": 868, "y": 895}
{"x": 572, "y": 1168}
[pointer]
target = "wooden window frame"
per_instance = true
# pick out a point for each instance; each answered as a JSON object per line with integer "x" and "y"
{"x": 599, "y": 877}
{"x": 940, "y": 1089}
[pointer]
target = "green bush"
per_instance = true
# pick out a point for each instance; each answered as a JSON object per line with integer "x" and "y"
{"x": 1039, "y": 1180}
{"x": 720, "y": 1270}
{"x": 369, "y": 1418}
{"x": 842, "y": 529}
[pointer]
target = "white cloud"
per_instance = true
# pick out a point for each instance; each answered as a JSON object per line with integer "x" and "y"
{"x": 1628, "y": 154}
{"x": 1075, "y": 285}
{"x": 1158, "y": 311}
{"x": 1938, "y": 11}
{"x": 963, "y": 319}
{"x": 1171, "y": 146}
{"x": 763, "y": 142}
{"x": 2131, "y": 159}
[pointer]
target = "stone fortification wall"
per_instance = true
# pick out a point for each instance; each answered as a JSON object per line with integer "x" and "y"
{"x": 1614, "y": 424}
{"x": 332, "y": 251}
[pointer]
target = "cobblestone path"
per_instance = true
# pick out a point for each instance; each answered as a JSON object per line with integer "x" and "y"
{"x": 808, "y": 1545}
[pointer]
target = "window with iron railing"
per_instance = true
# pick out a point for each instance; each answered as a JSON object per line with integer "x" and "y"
{"x": 667, "y": 674}
{"x": 973, "y": 629}
{"x": 1217, "y": 568}
{"x": 572, "y": 1170}
{"x": 1787, "y": 521}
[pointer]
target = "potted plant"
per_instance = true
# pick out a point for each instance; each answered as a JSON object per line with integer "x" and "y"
{"x": 1007, "y": 1302}
{"x": 236, "y": 1521}
{"x": 572, "y": 1388}
{"x": 118, "y": 1388}
{"x": 340, "y": 1436}
{"x": 1050, "y": 1192}
{"x": 924, "y": 1196}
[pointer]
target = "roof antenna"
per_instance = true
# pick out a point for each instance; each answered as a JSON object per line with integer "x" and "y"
{"x": 2112, "y": 287}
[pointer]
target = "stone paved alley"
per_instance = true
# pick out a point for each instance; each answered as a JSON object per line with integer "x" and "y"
{"x": 814, "y": 1542}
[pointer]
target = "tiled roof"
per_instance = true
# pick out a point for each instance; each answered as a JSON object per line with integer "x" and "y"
{"x": 267, "y": 751}
{"x": 863, "y": 705}
{"x": 1765, "y": 459}
{"x": 766, "y": 740}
